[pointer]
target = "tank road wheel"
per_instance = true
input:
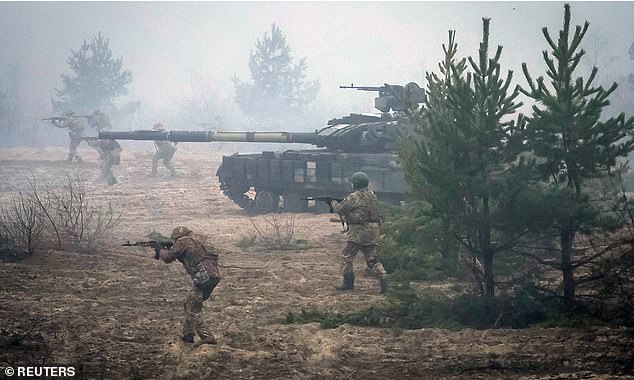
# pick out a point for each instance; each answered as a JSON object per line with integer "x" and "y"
{"x": 294, "y": 203}
{"x": 263, "y": 202}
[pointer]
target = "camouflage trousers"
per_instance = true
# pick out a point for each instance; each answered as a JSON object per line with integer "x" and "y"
{"x": 167, "y": 162}
{"x": 369, "y": 252}
{"x": 72, "y": 153}
{"x": 106, "y": 172}
{"x": 193, "y": 324}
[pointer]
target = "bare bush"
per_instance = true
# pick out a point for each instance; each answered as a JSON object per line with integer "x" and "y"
{"x": 65, "y": 218}
{"x": 78, "y": 218}
{"x": 22, "y": 222}
{"x": 277, "y": 233}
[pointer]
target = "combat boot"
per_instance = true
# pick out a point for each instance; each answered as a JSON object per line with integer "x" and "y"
{"x": 348, "y": 282}
{"x": 384, "y": 285}
{"x": 188, "y": 338}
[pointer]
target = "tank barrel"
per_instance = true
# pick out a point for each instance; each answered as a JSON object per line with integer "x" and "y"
{"x": 209, "y": 136}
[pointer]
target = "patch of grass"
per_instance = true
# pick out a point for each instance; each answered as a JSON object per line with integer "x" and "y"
{"x": 402, "y": 309}
{"x": 246, "y": 241}
{"x": 406, "y": 308}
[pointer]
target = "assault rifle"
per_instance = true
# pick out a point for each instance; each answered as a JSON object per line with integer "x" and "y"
{"x": 54, "y": 118}
{"x": 324, "y": 199}
{"x": 329, "y": 201}
{"x": 157, "y": 245}
{"x": 60, "y": 118}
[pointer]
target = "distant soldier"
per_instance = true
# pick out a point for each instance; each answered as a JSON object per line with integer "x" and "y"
{"x": 201, "y": 263}
{"x": 99, "y": 121}
{"x": 109, "y": 155}
{"x": 361, "y": 212}
{"x": 164, "y": 151}
{"x": 75, "y": 132}
{"x": 249, "y": 198}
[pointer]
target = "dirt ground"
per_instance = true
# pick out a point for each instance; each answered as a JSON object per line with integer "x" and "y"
{"x": 117, "y": 313}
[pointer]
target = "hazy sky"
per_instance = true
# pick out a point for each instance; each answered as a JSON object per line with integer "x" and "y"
{"x": 166, "y": 45}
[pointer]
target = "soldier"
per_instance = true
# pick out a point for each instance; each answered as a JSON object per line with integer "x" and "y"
{"x": 109, "y": 155}
{"x": 164, "y": 151}
{"x": 361, "y": 211}
{"x": 75, "y": 132}
{"x": 249, "y": 199}
{"x": 99, "y": 121}
{"x": 201, "y": 263}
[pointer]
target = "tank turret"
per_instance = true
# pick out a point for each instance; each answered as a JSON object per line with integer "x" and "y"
{"x": 359, "y": 142}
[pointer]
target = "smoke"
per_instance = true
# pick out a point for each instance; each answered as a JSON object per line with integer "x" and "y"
{"x": 183, "y": 55}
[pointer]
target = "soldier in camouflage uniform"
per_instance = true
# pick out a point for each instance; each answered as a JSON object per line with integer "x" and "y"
{"x": 201, "y": 263}
{"x": 361, "y": 212}
{"x": 99, "y": 121}
{"x": 164, "y": 151}
{"x": 109, "y": 155}
{"x": 75, "y": 132}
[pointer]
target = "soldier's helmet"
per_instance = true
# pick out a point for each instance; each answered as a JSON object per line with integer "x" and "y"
{"x": 180, "y": 231}
{"x": 359, "y": 180}
{"x": 158, "y": 127}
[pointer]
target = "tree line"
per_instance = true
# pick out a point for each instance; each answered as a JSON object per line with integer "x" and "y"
{"x": 496, "y": 189}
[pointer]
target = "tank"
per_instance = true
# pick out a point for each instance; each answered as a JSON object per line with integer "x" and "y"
{"x": 283, "y": 180}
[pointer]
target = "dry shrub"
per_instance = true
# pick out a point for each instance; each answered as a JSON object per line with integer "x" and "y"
{"x": 65, "y": 218}
{"x": 22, "y": 222}
{"x": 276, "y": 233}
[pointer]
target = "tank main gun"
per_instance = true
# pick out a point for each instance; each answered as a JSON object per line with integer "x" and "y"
{"x": 355, "y": 133}
{"x": 210, "y": 136}
{"x": 284, "y": 180}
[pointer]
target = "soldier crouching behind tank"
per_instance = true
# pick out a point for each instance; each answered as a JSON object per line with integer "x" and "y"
{"x": 201, "y": 263}
{"x": 164, "y": 151}
{"x": 361, "y": 212}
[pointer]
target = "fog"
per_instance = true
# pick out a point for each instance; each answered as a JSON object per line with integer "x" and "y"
{"x": 181, "y": 54}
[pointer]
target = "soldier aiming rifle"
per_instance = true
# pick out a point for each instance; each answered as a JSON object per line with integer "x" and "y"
{"x": 200, "y": 261}
{"x": 157, "y": 245}
{"x": 361, "y": 211}
{"x": 75, "y": 132}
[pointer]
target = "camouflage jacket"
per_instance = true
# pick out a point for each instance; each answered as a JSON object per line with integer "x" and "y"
{"x": 360, "y": 210}
{"x": 74, "y": 125}
{"x": 109, "y": 150}
{"x": 164, "y": 149}
{"x": 199, "y": 260}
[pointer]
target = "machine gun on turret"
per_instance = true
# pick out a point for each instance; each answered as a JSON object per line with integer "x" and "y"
{"x": 365, "y": 142}
{"x": 394, "y": 97}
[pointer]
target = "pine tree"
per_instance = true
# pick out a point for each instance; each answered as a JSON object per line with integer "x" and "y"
{"x": 574, "y": 146}
{"x": 462, "y": 163}
{"x": 279, "y": 85}
{"x": 98, "y": 78}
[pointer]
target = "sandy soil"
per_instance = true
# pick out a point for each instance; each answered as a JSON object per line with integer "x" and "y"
{"x": 116, "y": 312}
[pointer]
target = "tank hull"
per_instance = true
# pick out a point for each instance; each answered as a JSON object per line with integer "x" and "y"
{"x": 282, "y": 179}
